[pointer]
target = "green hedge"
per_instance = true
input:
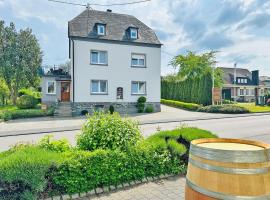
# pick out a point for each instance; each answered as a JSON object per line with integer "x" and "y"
{"x": 227, "y": 109}
{"x": 52, "y": 167}
{"x": 25, "y": 113}
{"x": 179, "y": 104}
{"x": 193, "y": 91}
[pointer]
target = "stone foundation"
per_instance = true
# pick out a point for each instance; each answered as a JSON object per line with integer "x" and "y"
{"x": 122, "y": 108}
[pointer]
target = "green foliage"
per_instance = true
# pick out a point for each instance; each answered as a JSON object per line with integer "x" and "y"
{"x": 230, "y": 109}
{"x": 48, "y": 143}
{"x": 197, "y": 90}
{"x": 108, "y": 131}
{"x": 89, "y": 170}
{"x": 4, "y": 92}
{"x": 176, "y": 148}
{"x": 22, "y": 172}
{"x": 141, "y": 104}
{"x": 25, "y": 113}
{"x": 193, "y": 66}
{"x": 149, "y": 108}
{"x": 179, "y": 104}
{"x": 20, "y": 58}
{"x": 26, "y": 102}
{"x": 111, "y": 109}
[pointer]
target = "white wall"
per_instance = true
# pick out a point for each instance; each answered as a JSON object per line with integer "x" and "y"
{"x": 119, "y": 72}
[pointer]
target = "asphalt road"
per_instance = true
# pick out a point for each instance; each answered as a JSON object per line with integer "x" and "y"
{"x": 251, "y": 127}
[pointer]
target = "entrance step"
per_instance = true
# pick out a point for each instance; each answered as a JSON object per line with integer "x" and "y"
{"x": 63, "y": 109}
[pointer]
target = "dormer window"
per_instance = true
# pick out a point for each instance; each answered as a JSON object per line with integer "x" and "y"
{"x": 101, "y": 29}
{"x": 133, "y": 33}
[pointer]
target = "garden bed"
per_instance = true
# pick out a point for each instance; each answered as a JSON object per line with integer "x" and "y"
{"x": 117, "y": 155}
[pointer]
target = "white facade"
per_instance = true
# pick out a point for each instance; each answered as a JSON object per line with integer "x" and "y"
{"x": 118, "y": 72}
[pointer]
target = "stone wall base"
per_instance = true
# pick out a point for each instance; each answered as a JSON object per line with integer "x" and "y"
{"x": 123, "y": 108}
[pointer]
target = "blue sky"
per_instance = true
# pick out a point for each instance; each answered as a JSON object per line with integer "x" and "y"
{"x": 238, "y": 29}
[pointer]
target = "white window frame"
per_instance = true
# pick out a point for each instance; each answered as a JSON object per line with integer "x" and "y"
{"x": 47, "y": 87}
{"x": 98, "y": 63}
{"x": 137, "y": 65}
{"x": 99, "y": 92}
{"x": 243, "y": 94}
{"x": 98, "y": 29}
{"x": 134, "y": 30}
{"x": 138, "y": 82}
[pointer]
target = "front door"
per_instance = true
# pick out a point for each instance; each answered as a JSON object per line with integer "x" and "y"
{"x": 65, "y": 91}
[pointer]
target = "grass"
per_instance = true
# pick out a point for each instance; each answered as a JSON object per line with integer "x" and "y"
{"x": 254, "y": 108}
{"x": 8, "y": 107}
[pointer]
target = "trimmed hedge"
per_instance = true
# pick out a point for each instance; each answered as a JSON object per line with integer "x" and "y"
{"x": 193, "y": 91}
{"x": 22, "y": 172}
{"x": 227, "y": 109}
{"x": 179, "y": 104}
{"x": 25, "y": 113}
{"x": 26, "y": 102}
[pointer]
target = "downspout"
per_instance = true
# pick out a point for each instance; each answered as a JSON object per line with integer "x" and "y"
{"x": 73, "y": 60}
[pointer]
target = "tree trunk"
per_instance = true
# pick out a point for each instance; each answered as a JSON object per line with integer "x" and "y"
{"x": 14, "y": 96}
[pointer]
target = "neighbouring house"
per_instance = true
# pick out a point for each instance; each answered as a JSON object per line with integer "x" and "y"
{"x": 115, "y": 59}
{"x": 241, "y": 84}
{"x": 265, "y": 80}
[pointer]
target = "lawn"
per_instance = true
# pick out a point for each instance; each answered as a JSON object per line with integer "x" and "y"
{"x": 8, "y": 107}
{"x": 253, "y": 108}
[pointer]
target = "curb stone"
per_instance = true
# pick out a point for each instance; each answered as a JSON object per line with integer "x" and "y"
{"x": 107, "y": 189}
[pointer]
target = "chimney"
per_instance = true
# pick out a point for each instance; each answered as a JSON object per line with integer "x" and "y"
{"x": 255, "y": 77}
{"x": 109, "y": 10}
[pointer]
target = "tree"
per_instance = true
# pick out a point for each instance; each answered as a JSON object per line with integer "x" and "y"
{"x": 192, "y": 66}
{"x": 4, "y": 92}
{"x": 20, "y": 58}
{"x": 66, "y": 66}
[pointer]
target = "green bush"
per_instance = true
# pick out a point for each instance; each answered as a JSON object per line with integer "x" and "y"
{"x": 111, "y": 109}
{"x": 108, "y": 131}
{"x": 48, "y": 143}
{"x": 25, "y": 113}
{"x": 23, "y": 170}
{"x": 141, "y": 104}
{"x": 228, "y": 109}
{"x": 26, "y": 102}
{"x": 149, "y": 108}
{"x": 179, "y": 104}
{"x": 89, "y": 170}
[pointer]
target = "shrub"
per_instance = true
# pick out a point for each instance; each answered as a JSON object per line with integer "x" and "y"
{"x": 111, "y": 109}
{"x": 48, "y": 143}
{"x": 179, "y": 104}
{"x": 25, "y": 113}
{"x": 26, "y": 101}
{"x": 141, "y": 104}
{"x": 229, "y": 109}
{"x": 149, "y": 108}
{"x": 108, "y": 131}
{"x": 89, "y": 170}
{"x": 22, "y": 172}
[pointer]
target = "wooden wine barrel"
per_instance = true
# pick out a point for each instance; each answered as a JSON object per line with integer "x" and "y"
{"x": 230, "y": 169}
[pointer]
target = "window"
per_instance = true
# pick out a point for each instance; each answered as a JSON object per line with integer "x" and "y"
{"x": 133, "y": 33}
{"x": 138, "y": 60}
{"x": 51, "y": 87}
{"x": 98, "y": 58}
{"x": 99, "y": 87}
{"x": 138, "y": 87}
{"x": 247, "y": 92}
{"x": 241, "y": 92}
{"x": 101, "y": 29}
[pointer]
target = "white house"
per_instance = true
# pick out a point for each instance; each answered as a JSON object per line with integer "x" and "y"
{"x": 115, "y": 59}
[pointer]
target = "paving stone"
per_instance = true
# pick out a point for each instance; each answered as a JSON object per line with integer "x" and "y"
{"x": 172, "y": 188}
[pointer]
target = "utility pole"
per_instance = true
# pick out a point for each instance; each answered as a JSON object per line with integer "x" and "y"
{"x": 234, "y": 82}
{"x": 213, "y": 84}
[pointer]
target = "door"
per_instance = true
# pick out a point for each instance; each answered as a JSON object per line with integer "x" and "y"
{"x": 65, "y": 91}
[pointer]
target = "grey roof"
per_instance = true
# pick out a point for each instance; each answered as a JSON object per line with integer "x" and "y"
{"x": 228, "y": 76}
{"x": 116, "y": 27}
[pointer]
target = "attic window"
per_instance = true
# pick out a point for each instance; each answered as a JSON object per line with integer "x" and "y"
{"x": 133, "y": 33}
{"x": 101, "y": 29}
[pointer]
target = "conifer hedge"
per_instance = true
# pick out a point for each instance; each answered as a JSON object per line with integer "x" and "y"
{"x": 197, "y": 90}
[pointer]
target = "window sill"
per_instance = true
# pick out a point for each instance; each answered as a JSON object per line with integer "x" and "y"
{"x": 50, "y": 93}
{"x": 134, "y": 66}
{"x": 138, "y": 94}
{"x": 98, "y": 93}
{"x": 98, "y": 64}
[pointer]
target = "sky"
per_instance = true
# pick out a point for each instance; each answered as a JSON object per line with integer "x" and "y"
{"x": 238, "y": 29}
